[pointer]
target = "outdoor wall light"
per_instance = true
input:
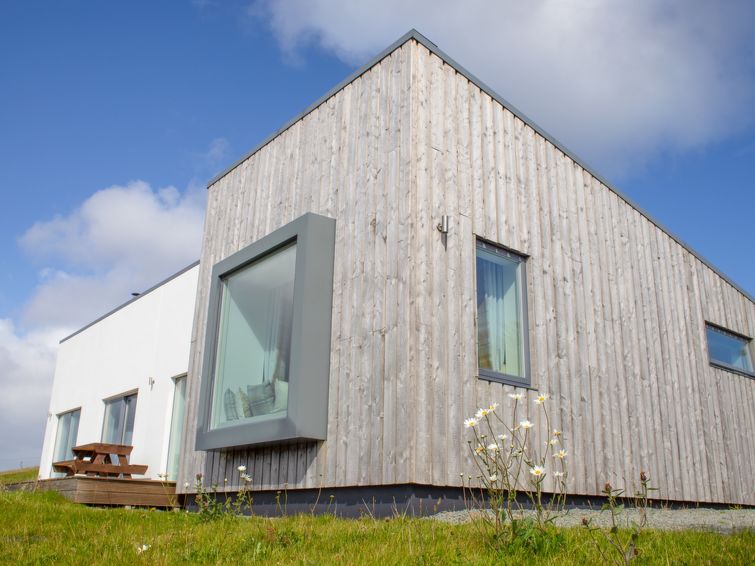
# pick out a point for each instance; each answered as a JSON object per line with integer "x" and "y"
{"x": 443, "y": 225}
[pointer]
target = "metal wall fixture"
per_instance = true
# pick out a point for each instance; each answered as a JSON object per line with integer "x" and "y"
{"x": 445, "y": 220}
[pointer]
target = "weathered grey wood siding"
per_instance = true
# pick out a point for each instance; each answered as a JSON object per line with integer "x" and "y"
{"x": 616, "y": 305}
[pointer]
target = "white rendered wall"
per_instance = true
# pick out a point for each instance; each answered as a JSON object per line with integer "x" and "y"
{"x": 147, "y": 338}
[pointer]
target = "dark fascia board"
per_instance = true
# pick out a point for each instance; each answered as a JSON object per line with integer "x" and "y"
{"x": 127, "y": 303}
{"x": 433, "y": 48}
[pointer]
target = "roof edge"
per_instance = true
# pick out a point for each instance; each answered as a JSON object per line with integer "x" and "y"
{"x": 127, "y": 303}
{"x": 413, "y": 34}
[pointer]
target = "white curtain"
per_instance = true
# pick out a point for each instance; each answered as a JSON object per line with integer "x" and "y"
{"x": 278, "y": 336}
{"x": 498, "y": 306}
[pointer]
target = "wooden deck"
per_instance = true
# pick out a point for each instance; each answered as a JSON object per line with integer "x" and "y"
{"x": 112, "y": 491}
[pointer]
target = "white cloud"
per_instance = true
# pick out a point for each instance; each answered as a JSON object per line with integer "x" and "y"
{"x": 131, "y": 226}
{"x": 27, "y": 363}
{"x": 120, "y": 240}
{"x": 216, "y": 154}
{"x": 616, "y": 81}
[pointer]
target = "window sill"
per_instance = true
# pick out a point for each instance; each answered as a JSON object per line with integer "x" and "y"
{"x": 732, "y": 369}
{"x": 505, "y": 379}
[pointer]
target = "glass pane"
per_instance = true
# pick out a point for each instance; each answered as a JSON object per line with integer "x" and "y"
{"x": 499, "y": 314}
{"x": 73, "y": 432}
{"x": 251, "y": 371}
{"x": 176, "y": 427}
{"x": 130, "y": 414}
{"x": 728, "y": 349}
{"x": 118, "y": 427}
{"x": 65, "y": 438}
{"x": 113, "y": 426}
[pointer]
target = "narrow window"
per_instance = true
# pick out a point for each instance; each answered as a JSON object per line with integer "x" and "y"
{"x": 728, "y": 350}
{"x": 502, "y": 349}
{"x": 118, "y": 427}
{"x": 65, "y": 437}
{"x": 254, "y": 340}
{"x": 176, "y": 427}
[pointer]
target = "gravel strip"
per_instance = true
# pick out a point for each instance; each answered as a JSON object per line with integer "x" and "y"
{"x": 724, "y": 521}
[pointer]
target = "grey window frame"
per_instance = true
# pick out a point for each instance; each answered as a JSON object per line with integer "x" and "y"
{"x": 487, "y": 374}
{"x": 723, "y": 365}
{"x": 307, "y": 415}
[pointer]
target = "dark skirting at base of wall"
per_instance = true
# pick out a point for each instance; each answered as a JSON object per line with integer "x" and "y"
{"x": 376, "y": 501}
{"x": 389, "y": 501}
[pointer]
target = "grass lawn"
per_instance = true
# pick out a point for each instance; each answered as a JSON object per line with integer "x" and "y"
{"x": 21, "y": 474}
{"x": 43, "y": 527}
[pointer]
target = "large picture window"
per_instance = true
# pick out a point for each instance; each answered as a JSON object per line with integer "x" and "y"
{"x": 266, "y": 361}
{"x": 254, "y": 340}
{"x": 728, "y": 350}
{"x": 502, "y": 346}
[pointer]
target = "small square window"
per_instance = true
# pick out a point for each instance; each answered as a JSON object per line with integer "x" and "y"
{"x": 267, "y": 348}
{"x": 502, "y": 334}
{"x": 729, "y": 350}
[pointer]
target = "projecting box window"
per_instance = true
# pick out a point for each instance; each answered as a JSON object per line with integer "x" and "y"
{"x": 502, "y": 335}
{"x": 267, "y": 351}
{"x": 728, "y": 350}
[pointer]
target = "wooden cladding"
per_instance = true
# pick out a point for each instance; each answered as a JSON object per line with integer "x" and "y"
{"x": 616, "y": 306}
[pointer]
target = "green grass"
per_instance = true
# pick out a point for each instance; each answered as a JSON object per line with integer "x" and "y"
{"x": 21, "y": 474}
{"x": 43, "y": 528}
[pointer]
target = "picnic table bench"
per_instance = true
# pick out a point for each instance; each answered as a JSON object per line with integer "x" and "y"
{"x": 100, "y": 459}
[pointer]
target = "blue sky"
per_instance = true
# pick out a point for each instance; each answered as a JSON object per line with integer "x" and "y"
{"x": 95, "y": 96}
{"x": 113, "y": 116}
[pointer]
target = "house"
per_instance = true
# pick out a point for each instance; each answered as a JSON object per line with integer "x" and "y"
{"x": 121, "y": 379}
{"x": 413, "y": 247}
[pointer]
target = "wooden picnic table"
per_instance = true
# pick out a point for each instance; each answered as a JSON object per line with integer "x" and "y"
{"x": 100, "y": 459}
